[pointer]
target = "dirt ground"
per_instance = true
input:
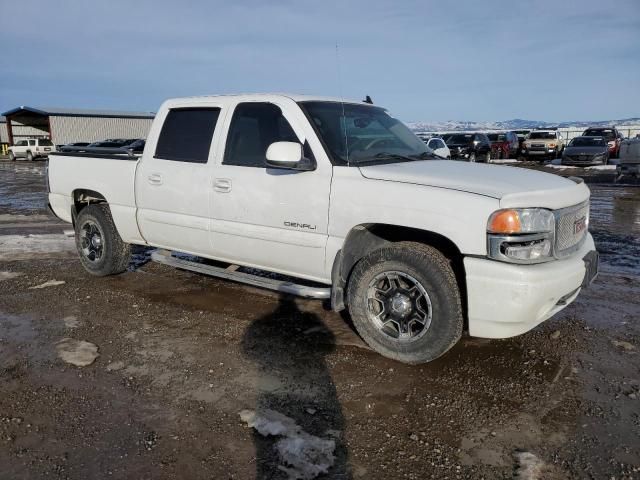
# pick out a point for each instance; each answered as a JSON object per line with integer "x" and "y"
{"x": 181, "y": 355}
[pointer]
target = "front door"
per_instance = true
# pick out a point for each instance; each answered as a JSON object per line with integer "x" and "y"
{"x": 271, "y": 218}
{"x": 173, "y": 182}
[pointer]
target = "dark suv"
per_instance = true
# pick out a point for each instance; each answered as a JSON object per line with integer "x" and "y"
{"x": 504, "y": 144}
{"x": 472, "y": 147}
{"x": 611, "y": 135}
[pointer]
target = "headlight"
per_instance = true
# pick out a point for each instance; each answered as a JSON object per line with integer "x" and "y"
{"x": 523, "y": 235}
{"x": 521, "y": 220}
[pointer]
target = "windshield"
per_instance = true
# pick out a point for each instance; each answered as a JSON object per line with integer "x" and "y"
{"x": 600, "y": 132}
{"x": 587, "y": 142}
{"x": 497, "y": 137}
{"x": 45, "y": 142}
{"x": 459, "y": 138}
{"x": 359, "y": 134}
{"x": 542, "y": 135}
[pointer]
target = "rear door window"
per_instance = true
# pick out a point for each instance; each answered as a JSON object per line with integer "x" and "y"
{"x": 186, "y": 134}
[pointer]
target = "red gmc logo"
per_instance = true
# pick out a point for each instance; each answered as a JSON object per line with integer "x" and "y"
{"x": 579, "y": 225}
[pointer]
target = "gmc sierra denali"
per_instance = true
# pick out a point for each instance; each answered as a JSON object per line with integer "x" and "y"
{"x": 345, "y": 199}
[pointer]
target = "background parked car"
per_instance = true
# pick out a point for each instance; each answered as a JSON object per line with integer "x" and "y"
{"x": 503, "y": 144}
{"x": 543, "y": 143}
{"x": 31, "y": 148}
{"x": 474, "y": 147}
{"x": 439, "y": 147}
{"x": 611, "y": 135}
{"x": 522, "y": 135}
{"x": 586, "y": 151}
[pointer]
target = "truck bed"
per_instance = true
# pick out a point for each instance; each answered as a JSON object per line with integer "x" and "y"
{"x": 112, "y": 175}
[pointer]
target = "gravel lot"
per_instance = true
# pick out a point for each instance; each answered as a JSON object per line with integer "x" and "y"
{"x": 181, "y": 355}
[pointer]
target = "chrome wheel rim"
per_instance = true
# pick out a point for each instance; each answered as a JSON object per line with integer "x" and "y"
{"x": 399, "y": 306}
{"x": 91, "y": 242}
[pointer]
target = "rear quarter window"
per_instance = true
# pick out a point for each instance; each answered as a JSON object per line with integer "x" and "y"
{"x": 186, "y": 134}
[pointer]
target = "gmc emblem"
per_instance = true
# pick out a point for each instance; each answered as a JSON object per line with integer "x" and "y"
{"x": 579, "y": 225}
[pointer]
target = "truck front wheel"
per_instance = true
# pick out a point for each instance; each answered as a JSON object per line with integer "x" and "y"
{"x": 102, "y": 251}
{"x": 405, "y": 302}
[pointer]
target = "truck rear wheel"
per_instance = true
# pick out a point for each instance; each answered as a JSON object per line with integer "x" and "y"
{"x": 102, "y": 251}
{"x": 405, "y": 302}
{"x": 12, "y": 157}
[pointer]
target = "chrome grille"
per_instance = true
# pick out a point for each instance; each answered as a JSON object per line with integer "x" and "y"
{"x": 569, "y": 235}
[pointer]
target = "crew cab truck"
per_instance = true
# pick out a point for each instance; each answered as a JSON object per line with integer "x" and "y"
{"x": 345, "y": 198}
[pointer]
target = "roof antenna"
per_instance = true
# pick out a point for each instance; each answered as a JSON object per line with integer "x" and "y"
{"x": 368, "y": 100}
{"x": 344, "y": 118}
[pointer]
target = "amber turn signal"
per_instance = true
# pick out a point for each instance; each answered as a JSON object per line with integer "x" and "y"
{"x": 505, "y": 221}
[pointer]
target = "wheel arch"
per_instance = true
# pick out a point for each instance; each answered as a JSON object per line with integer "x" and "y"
{"x": 365, "y": 238}
{"x": 83, "y": 197}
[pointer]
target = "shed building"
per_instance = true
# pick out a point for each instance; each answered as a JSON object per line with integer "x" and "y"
{"x": 66, "y": 125}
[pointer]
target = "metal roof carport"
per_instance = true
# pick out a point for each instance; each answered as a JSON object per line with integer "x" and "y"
{"x": 65, "y": 125}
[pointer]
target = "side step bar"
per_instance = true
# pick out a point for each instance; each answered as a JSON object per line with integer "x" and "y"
{"x": 230, "y": 273}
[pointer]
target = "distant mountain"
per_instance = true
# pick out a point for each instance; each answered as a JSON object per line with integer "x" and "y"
{"x": 515, "y": 124}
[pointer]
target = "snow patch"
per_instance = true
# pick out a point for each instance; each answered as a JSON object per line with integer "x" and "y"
{"x": 23, "y": 247}
{"x": 529, "y": 466}
{"x": 559, "y": 167}
{"x": 71, "y": 322}
{"x": 77, "y": 352}
{"x": 304, "y": 456}
{"x": 601, "y": 167}
{"x": 48, "y": 283}
{"x": 9, "y": 275}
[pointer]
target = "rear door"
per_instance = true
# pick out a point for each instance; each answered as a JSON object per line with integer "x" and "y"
{"x": 173, "y": 181}
{"x": 270, "y": 218}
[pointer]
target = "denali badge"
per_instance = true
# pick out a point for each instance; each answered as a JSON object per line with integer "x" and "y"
{"x": 579, "y": 225}
{"x": 299, "y": 225}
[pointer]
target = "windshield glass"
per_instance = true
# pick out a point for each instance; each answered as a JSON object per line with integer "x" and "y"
{"x": 44, "y": 142}
{"x": 497, "y": 137}
{"x": 600, "y": 132}
{"x": 542, "y": 136}
{"x": 587, "y": 142}
{"x": 358, "y": 134}
{"x": 460, "y": 138}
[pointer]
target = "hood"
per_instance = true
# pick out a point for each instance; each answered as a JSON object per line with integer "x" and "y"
{"x": 585, "y": 150}
{"x": 514, "y": 187}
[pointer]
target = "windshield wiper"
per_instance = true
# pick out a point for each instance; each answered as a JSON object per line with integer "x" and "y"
{"x": 425, "y": 155}
{"x": 396, "y": 156}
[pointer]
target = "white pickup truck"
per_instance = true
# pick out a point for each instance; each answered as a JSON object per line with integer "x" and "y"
{"x": 345, "y": 199}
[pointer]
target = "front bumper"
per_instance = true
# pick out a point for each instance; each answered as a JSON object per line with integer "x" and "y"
{"x": 582, "y": 163}
{"x": 505, "y": 300}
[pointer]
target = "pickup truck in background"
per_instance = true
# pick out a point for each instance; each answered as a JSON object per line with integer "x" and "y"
{"x": 345, "y": 199}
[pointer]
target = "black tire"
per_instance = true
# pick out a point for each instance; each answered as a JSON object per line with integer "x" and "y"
{"x": 488, "y": 158}
{"x": 114, "y": 253}
{"x": 12, "y": 157}
{"x": 29, "y": 157}
{"x": 472, "y": 157}
{"x": 433, "y": 271}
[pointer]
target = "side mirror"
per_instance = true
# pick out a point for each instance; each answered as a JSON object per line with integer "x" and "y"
{"x": 289, "y": 156}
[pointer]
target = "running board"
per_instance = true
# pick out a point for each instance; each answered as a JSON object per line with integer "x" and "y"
{"x": 231, "y": 273}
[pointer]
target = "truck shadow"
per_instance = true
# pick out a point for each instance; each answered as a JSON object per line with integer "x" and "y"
{"x": 289, "y": 348}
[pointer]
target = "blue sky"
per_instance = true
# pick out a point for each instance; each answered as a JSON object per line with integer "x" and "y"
{"x": 424, "y": 60}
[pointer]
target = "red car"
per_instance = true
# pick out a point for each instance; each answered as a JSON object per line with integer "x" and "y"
{"x": 612, "y": 136}
{"x": 504, "y": 144}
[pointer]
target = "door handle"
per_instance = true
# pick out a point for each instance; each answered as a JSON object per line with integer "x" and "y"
{"x": 155, "y": 179}
{"x": 222, "y": 185}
